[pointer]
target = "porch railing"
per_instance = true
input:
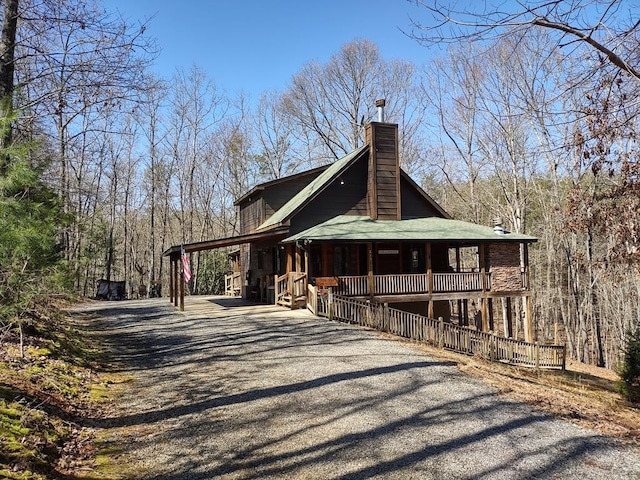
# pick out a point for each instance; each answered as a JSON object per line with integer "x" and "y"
{"x": 440, "y": 333}
{"x": 412, "y": 283}
{"x": 312, "y": 299}
{"x": 232, "y": 284}
{"x": 290, "y": 288}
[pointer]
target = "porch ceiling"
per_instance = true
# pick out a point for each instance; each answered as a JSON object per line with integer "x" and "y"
{"x": 351, "y": 228}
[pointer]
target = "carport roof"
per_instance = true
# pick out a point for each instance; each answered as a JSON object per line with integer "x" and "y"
{"x": 275, "y": 233}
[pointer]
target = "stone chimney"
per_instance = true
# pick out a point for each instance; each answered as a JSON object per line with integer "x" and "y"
{"x": 383, "y": 197}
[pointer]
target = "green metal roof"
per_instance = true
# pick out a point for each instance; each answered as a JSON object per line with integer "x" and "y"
{"x": 351, "y": 228}
{"x": 311, "y": 190}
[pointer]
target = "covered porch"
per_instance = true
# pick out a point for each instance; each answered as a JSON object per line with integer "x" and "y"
{"x": 433, "y": 267}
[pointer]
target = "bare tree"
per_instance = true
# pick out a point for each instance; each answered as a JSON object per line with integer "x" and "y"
{"x": 606, "y": 26}
{"x": 75, "y": 62}
{"x": 275, "y": 135}
{"x": 331, "y": 102}
{"x": 452, "y": 88}
{"x": 149, "y": 116}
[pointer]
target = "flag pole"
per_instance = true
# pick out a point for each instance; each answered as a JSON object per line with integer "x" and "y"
{"x": 182, "y": 257}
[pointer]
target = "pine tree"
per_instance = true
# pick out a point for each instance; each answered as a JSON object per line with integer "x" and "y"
{"x": 629, "y": 368}
{"x": 30, "y": 218}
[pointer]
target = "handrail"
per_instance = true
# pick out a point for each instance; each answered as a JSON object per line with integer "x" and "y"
{"x": 232, "y": 284}
{"x": 291, "y": 284}
{"x": 408, "y": 283}
{"x": 440, "y": 333}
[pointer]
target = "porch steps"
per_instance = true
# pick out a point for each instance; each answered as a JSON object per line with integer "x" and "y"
{"x": 285, "y": 301}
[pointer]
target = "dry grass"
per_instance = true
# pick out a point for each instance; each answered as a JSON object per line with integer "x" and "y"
{"x": 583, "y": 394}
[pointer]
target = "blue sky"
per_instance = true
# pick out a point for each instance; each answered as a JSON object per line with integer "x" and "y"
{"x": 257, "y": 45}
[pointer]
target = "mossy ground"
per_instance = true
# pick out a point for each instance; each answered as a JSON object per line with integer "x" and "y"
{"x": 51, "y": 400}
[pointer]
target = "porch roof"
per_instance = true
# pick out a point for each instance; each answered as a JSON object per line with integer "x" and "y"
{"x": 352, "y": 228}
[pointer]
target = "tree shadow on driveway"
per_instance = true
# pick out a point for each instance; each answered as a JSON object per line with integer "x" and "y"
{"x": 245, "y": 392}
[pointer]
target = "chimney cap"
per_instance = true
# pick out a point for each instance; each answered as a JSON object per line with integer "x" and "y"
{"x": 381, "y": 102}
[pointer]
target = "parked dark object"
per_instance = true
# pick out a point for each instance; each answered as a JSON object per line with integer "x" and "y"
{"x": 156, "y": 291}
{"x": 110, "y": 290}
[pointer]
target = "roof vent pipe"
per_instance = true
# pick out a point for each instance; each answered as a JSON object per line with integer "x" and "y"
{"x": 497, "y": 226}
{"x": 380, "y": 105}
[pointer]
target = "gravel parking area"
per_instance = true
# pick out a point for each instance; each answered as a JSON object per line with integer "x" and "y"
{"x": 236, "y": 391}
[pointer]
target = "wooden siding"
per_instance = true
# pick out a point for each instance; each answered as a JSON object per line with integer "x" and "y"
{"x": 276, "y": 196}
{"x": 384, "y": 171}
{"x": 251, "y": 215}
{"x": 414, "y": 205}
{"x": 346, "y": 195}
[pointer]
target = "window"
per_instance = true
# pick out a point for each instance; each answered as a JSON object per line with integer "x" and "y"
{"x": 416, "y": 260}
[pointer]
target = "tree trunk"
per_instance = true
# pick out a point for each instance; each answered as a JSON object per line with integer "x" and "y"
{"x": 7, "y": 67}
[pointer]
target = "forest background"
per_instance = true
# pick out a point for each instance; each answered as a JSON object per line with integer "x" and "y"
{"x": 529, "y": 114}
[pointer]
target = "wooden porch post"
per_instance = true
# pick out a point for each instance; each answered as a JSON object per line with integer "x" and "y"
{"x": 507, "y": 317}
{"x": 429, "y": 279}
{"x": 462, "y": 315}
{"x": 306, "y": 270}
{"x": 483, "y": 281}
{"x": 298, "y": 260}
{"x": 181, "y": 286}
{"x": 525, "y": 266}
{"x": 491, "y": 325}
{"x": 528, "y": 320}
{"x": 372, "y": 283}
{"x": 465, "y": 312}
{"x": 171, "y": 278}
{"x": 290, "y": 258}
{"x": 175, "y": 282}
{"x": 484, "y": 313}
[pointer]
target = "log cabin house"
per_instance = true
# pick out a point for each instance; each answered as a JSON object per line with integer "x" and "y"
{"x": 362, "y": 227}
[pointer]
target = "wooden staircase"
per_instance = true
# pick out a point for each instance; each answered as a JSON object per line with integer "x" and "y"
{"x": 291, "y": 290}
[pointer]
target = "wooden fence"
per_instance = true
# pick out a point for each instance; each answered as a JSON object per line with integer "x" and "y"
{"x": 438, "y": 332}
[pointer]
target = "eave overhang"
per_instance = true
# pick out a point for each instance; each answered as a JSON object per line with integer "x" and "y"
{"x": 272, "y": 234}
{"x": 352, "y": 228}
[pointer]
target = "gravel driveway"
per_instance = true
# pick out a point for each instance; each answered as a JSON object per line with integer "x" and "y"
{"x": 235, "y": 391}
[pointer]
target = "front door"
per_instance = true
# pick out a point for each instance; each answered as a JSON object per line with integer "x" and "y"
{"x": 388, "y": 259}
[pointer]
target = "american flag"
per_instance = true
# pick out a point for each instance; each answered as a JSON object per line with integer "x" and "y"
{"x": 185, "y": 266}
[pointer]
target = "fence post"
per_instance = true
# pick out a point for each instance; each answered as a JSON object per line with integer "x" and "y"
{"x": 537, "y": 348}
{"x": 492, "y": 342}
{"x": 330, "y": 302}
{"x": 385, "y": 317}
{"x": 564, "y": 356}
{"x": 440, "y": 332}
